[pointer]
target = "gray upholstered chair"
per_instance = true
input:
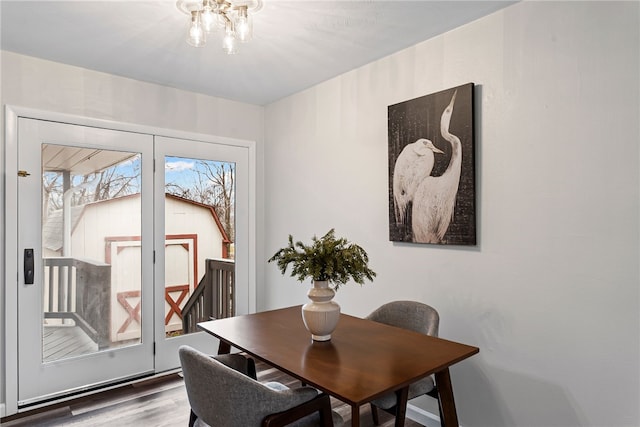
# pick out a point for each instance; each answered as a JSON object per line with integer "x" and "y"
{"x": 417, "y": 317}
{"x": 221, "y": 395}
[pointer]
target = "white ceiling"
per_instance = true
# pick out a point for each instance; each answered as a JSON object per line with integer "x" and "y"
{"x": 296, "y": 44}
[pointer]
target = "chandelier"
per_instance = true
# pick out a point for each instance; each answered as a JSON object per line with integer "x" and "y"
{"x": 232, "y": 18}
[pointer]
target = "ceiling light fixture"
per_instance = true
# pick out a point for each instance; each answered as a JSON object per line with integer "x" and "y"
{"x": 234, "y": 19}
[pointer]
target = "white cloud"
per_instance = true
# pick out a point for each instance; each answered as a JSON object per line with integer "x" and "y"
{"x": 178, "y": 166}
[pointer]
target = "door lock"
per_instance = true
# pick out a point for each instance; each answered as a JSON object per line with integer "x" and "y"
{"x": 28, "y": 267}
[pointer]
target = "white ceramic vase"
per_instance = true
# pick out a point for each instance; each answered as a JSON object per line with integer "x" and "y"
{"x": 321, "y": 315}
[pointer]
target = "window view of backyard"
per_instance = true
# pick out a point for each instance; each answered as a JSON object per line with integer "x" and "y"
{"x": 91, "y": 240}
{"x": 200, "y": 231}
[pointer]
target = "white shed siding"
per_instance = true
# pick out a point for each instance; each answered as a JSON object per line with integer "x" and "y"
{"x": 109, "y": 231}
{"x": 180, "y": 218}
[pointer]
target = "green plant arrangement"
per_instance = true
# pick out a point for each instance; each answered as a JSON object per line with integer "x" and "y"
{"x": 335, "y": 260}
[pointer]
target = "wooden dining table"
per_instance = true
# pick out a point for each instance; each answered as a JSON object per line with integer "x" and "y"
{"x": 363, "y": 360}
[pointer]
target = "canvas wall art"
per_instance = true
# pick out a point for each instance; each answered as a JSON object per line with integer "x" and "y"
{"x": 432, "y": 168}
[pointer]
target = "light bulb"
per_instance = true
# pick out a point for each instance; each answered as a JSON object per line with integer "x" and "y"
{"x": 244, "y": 25}
{"x": 229, "y": 40}
{"x": 208, "y": 18}
{"x": 197, "y": 37}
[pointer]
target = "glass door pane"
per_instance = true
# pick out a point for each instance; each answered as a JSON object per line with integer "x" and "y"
{"x": 91, "y": 230}
{"x": 199, "y": 242}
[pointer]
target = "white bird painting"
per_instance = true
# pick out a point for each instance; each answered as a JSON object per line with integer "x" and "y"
{"x": 413, "y": 165}
{"x": 431, "y": 194}
{"x": 435, "y": 197}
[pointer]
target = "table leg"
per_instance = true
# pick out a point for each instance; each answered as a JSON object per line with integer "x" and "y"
{"x": 445, "y": 390}
{"x": 224, "y": 347}
{"x": 355, "y": 416}
{"x": 401, "y": 406}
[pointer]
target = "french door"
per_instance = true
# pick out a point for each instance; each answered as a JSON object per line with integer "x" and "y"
{"x": 69, "y": 284}
{"x": 190, "y": 177}
{"x": 116, "y": 231}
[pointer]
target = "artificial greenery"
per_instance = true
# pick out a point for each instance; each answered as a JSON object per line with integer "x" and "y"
{"x": 327, "y": 258}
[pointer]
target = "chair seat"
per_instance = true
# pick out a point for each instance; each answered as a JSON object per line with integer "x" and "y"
{"x": 312, "y": 420}
{"x": 416, "y": 389}
{"x": 274, "y": 385}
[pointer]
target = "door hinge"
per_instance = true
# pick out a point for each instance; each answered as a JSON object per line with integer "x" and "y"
{"x": 154, "y": 348}
{"x": 154, "y": 256}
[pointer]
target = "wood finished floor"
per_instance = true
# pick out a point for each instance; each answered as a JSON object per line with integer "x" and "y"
{"x": 155, "y": 403}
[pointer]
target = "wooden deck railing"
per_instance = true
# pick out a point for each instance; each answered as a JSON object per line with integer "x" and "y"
{"x": 79, "y": 290}
{"x": 214, "y": 296}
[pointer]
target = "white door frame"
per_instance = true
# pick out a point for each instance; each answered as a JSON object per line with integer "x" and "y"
{"x": 12, "y": 113}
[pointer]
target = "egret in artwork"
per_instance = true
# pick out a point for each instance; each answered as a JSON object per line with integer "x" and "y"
{"x": 435, "y": 197}
{"x": 413, "y": 165}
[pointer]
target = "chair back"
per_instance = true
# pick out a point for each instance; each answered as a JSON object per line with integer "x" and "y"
{"x": 412, "y": 315}
{"x": 222, "y": 397}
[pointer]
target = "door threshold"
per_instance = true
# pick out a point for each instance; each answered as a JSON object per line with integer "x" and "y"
{"x": 33, "y": 407}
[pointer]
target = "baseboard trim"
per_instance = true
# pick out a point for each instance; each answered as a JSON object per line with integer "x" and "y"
{"x": 423, "y": 417}
{"x": 2, "y": 410}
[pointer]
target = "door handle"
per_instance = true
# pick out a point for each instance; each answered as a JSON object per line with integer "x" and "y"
{"x": 28, "y": 267}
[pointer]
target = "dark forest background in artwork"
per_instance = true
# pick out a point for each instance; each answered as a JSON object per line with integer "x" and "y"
{"x": 430, "y": 125}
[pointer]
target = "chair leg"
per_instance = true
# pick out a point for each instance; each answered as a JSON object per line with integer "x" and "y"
{"x": 394, "y": 409}
{"x": 434, "y": 393}
{"x": 251, "y": 369}
{"x": 374, "y": 414}
{"x": 192, "y": 418}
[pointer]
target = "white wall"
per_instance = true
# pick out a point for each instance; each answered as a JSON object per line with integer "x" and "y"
{"x": 551, "y": 292}
{"x": 50, "y": 86}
